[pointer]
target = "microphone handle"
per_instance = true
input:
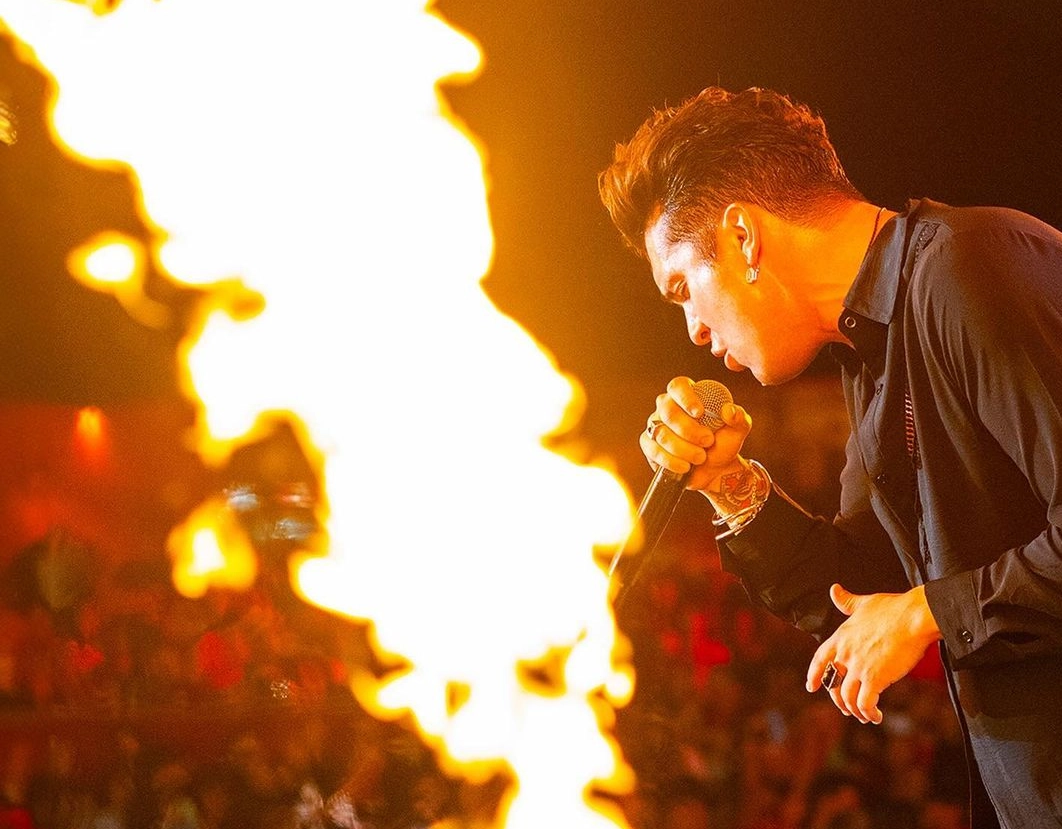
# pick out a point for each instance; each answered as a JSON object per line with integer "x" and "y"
{"x": 654, "y": 512}
{"x": 666, "y": 489}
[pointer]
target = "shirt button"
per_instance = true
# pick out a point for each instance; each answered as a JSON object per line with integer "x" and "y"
{"x": 881, "y": 479}
{"x": 966, "y": 636}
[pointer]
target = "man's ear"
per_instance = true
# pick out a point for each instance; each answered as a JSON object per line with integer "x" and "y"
{"x": 740, "y": 228}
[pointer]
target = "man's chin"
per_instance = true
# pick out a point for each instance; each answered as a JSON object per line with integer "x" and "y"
{"x": 766, "y": 375}
{"x": 775, "y": 378}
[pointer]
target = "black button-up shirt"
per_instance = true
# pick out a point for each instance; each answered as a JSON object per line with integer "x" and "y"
{"x": 956, "y": 312}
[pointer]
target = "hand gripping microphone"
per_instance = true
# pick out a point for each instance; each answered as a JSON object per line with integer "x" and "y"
{"x": 665, "y": 490}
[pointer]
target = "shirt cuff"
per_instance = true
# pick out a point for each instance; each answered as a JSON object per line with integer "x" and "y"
{"x": 764, "y": 547}
{"x": 953, "y": 602}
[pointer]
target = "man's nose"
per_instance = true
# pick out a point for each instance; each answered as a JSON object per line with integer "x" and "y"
{"x": 699, "y": 333}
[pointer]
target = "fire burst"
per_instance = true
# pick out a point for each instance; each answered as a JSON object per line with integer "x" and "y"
{"x": 303, "y": 153}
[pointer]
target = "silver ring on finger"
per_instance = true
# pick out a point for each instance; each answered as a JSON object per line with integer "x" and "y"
{"x": 651, "y": 427}
{"x": 831, "y": 677}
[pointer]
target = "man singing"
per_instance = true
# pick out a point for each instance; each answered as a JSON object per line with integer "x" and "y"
{"x": 947, "y": 324}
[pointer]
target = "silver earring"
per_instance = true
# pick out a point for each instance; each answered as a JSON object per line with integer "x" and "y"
{"x": 752, "y": 274}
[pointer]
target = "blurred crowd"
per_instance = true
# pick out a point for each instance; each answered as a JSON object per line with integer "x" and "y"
{"x": 723, "y": 734}
{"x": 132, "y": 707}
{"x": 129, "y": 706}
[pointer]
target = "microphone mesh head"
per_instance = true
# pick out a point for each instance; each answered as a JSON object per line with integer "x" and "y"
{"x": 713, "y": 395}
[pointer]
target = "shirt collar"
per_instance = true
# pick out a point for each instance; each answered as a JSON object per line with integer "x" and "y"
{"x": 871, "y": 301}
{"x": 873, "y": 293}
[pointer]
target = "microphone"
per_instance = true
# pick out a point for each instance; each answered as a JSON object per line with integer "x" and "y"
{"x": 662, "y": 497}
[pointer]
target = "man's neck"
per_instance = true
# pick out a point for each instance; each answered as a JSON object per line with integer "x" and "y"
{"x": 827, "y": 258}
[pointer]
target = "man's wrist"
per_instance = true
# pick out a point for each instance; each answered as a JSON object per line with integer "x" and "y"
{"x": 738, "y": 496}
{"x": 924, "y": 624}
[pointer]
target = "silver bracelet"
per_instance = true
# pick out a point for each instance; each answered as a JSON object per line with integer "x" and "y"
{"x": 745, "y": 515}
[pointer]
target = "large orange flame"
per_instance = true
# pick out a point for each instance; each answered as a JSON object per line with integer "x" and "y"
{"x": 301, "y": 154}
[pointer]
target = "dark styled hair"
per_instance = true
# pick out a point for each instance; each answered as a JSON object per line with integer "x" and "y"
{"x": 687, "y": 163}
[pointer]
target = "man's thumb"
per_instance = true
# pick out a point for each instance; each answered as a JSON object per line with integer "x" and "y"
{"x": 844, "y": 600}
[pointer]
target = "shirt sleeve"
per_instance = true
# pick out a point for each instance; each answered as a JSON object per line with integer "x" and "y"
{"x": 787, "y": 559}
{"x": 996, "y": 333}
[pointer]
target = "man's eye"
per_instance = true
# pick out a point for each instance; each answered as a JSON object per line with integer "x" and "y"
{"x": 678, "y": 293}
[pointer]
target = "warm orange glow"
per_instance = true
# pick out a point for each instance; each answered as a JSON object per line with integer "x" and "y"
{"x": 318, "y": 162}
{"x": 8, "y": 133}
{"x": 109, "y": 261}
{"x": 211, "y": 550}
{"x": 115, "y": 263}
{"x": 89, "y": 426}
{"x": 90, "y": 434}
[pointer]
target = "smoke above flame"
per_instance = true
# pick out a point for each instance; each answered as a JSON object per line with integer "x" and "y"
{"x": 301, "y": 167}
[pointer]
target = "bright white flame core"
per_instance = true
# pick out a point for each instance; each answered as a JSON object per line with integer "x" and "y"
{"x": 304, "y": 148}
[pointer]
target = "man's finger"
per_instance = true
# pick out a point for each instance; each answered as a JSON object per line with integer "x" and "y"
{"x": 842, "y": 599}
{"x": 817, "y": 667}
{"x": 867, "y": 703}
